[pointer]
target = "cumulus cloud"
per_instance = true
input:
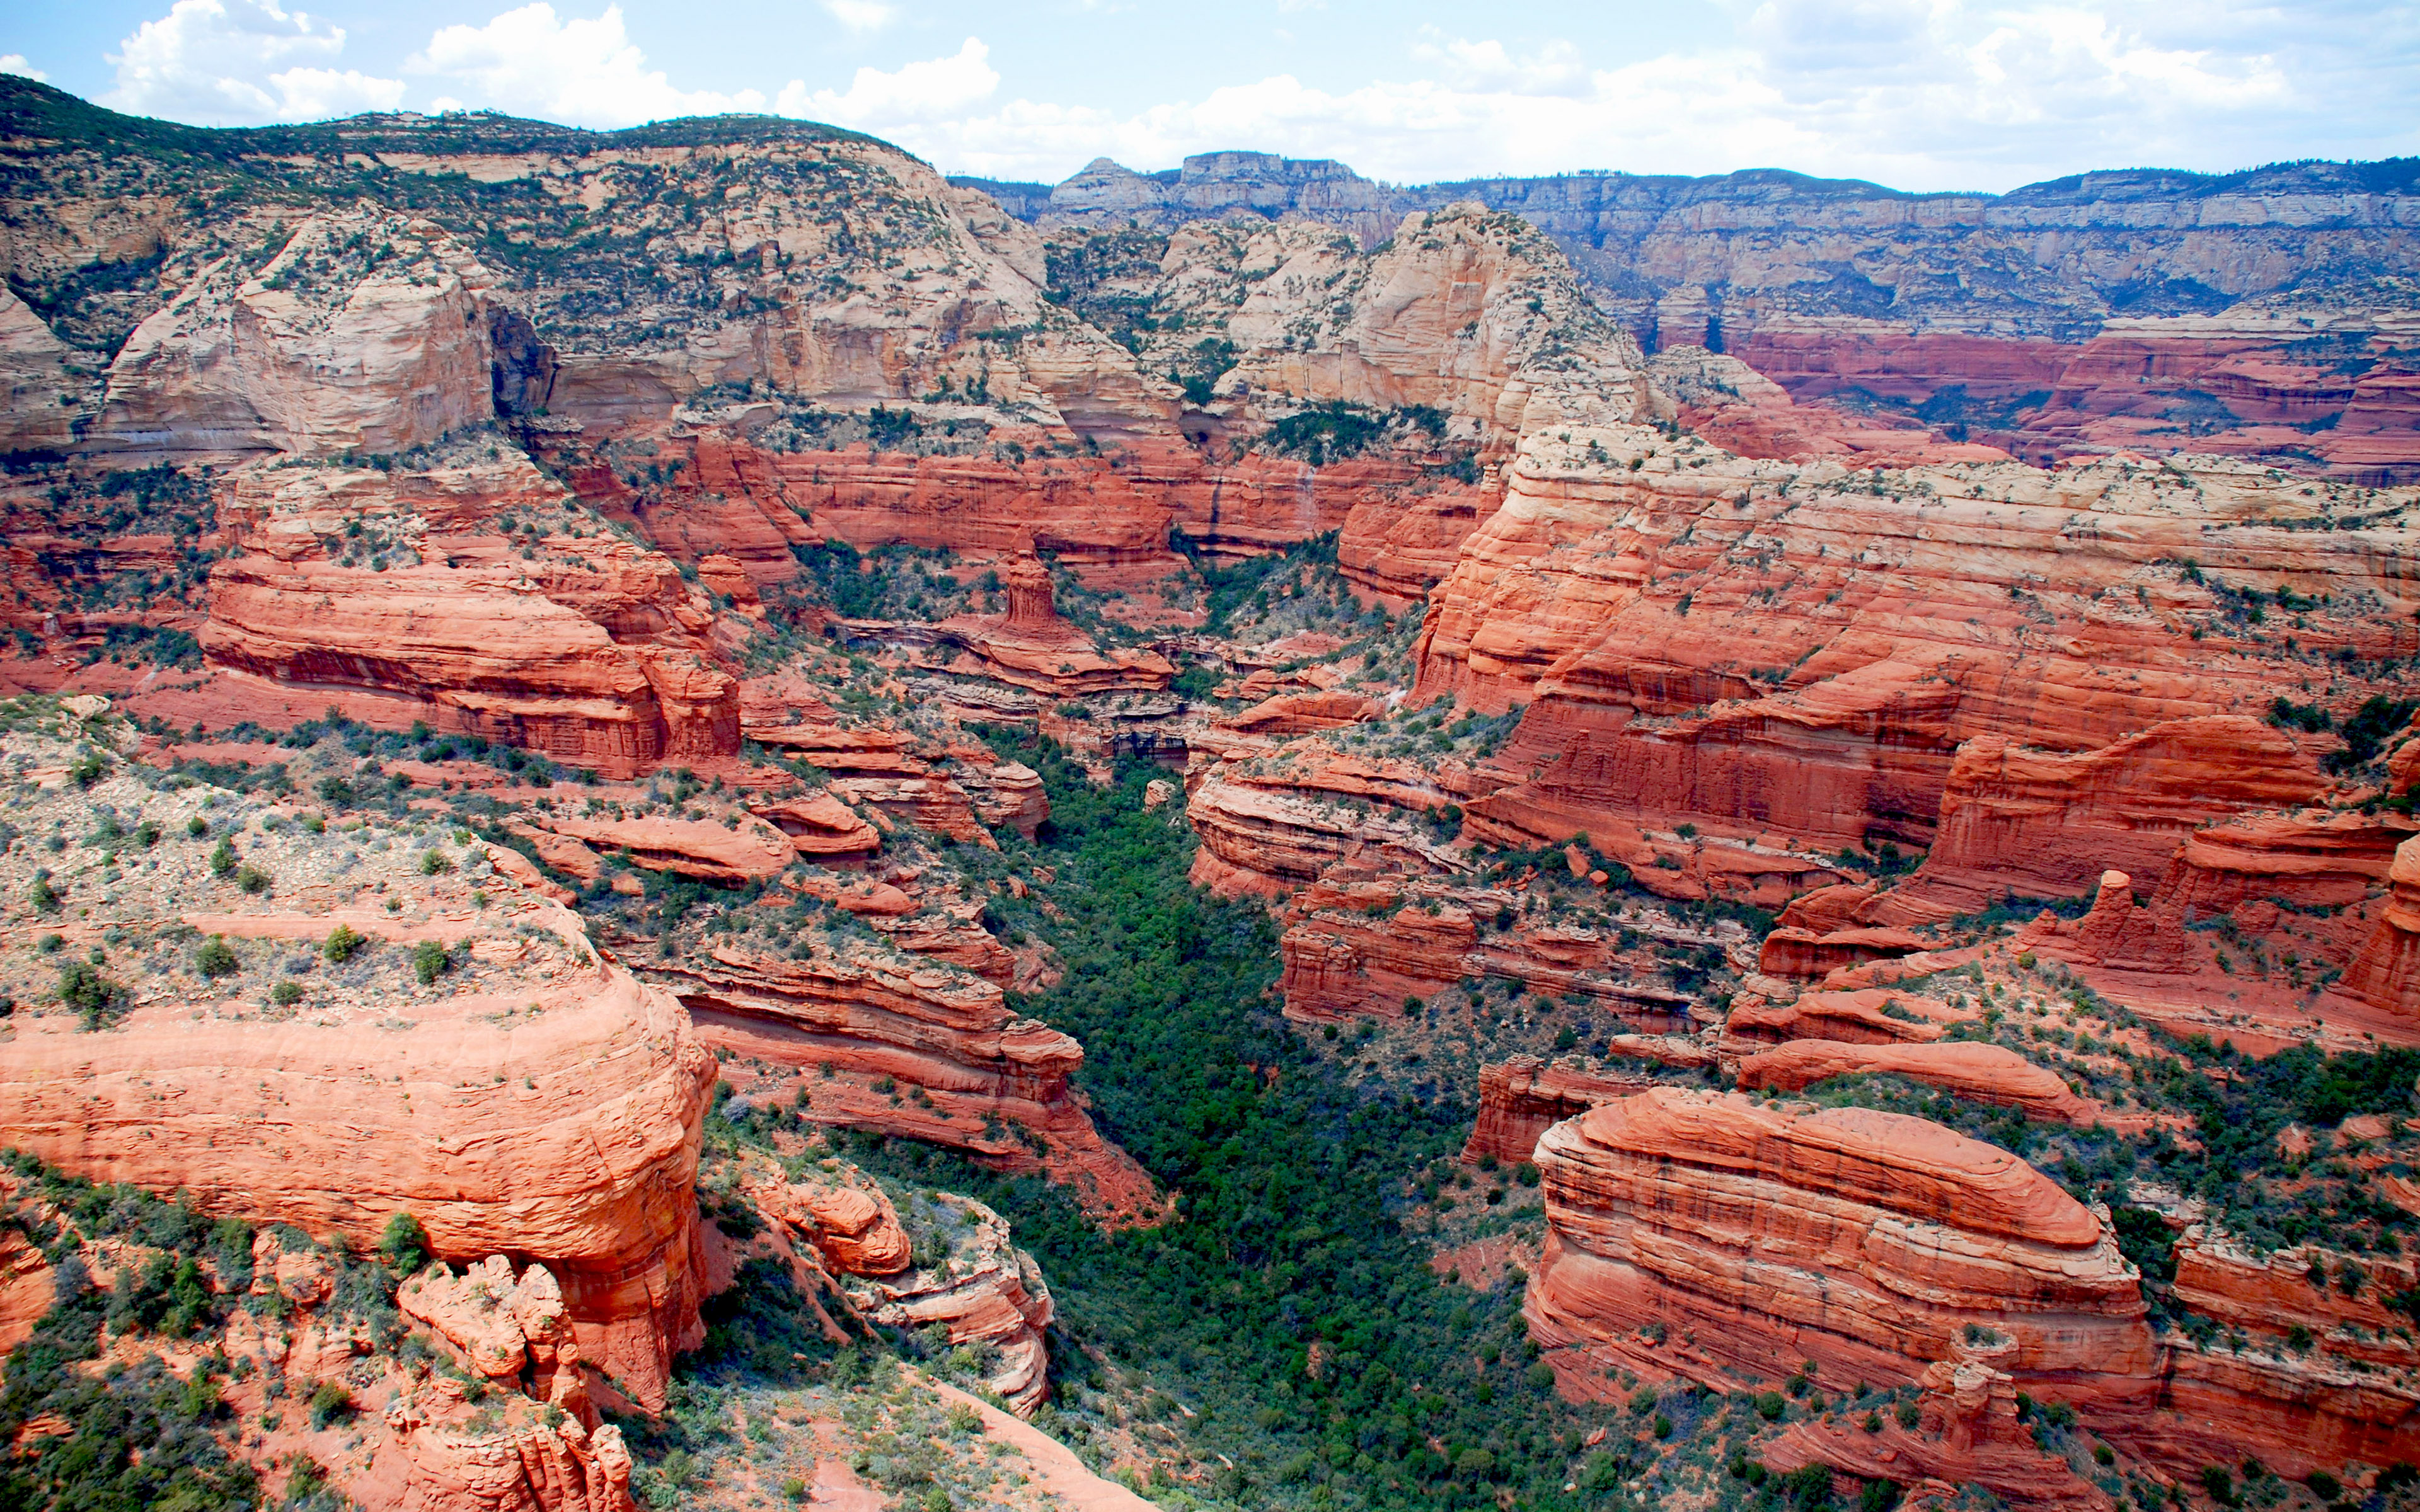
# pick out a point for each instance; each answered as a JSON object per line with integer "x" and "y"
{"x": 15, "y": 63}
{"x": 532, "y": 62}
{"x": 929, "y": 90}
{"x": 234, "y": 62}
{"x": 862, "y": 17}
{"x": 1922, "y": 94}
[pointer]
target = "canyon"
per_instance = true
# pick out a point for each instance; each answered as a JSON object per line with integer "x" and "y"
{"x": 700, "y": 806}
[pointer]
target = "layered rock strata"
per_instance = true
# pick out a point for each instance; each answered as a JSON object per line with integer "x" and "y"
{"x": 1760, "y": 1237}
{"x": 922, "y": 1052}
{"x": 1520, "y": 1098}
{"x": 394, "y": 597}
{"x": 1961, "y": 603}
{"x": 1351, "y": 949}
{"x": 538, "y": 1101}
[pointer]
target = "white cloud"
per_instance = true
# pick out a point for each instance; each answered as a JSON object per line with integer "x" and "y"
{"x": 1920, "y": 94}
{"x": 862, "y": 17}
{"x": 581, "y": 73}
{"x": 216, "y": 62}
{"x": 1555, "y": 68}
{"x": 926, "y": 91}
{"x": 15, "y": 63}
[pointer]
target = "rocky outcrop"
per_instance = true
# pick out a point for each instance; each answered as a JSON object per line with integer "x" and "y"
{"x": 367, "y": 332}
{"x": 1857, "y": 1016}
{"x": 1713, "y": 1238}
{"x": 1522, "y": 1098}
{"x": 2271, "y": 896}
{"x": 1355, "y": 948}
{"x": 2042, "y": 824}
{"x": 1969, "y": 1432}
{"x": 1759, "y": 1237}
{"x": 40, "y": 396}
{"x": 1793, "y": 951}
{"x": 506, "y": 1452}
{"x": 1634, "y": 610}
{"x": 1465, "y": 311}
{"x": 820, "y": 826}
{"x": 2386, "y": 973}
{"x": 384, "y": 1097}
{"x": 916, "y": 1051}
{"x": 502, "y": 1326}
{"x": 747, "y": 850}
{"x": 2343, "y": 1397}
{"x": 984, "y": 1292}
{"x": 1980, "y": 1072}
{"x": 1267, "y": 826}
{"x": 855, "y": 1229}
{"x": 394, "y": 597}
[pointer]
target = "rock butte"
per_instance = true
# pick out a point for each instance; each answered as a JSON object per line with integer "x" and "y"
{"x": 1710, "y": 1237}
{"x": 583, "y": 1159}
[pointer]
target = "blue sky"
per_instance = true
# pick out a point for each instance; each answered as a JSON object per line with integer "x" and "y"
{"x": 1921, "y": 94}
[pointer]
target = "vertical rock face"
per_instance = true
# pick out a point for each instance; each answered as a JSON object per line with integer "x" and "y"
{"x": 1632, "y": 611}
{"x": 2386, "y": 973}
{"x": 1030, "y": 610}
{"x": 1362, "y": 947}
{"x": 1716, "y": 1239}
{"x": 2042, "y": 824}
{"x": 366, "y": 332}
{"x": 1761, "y": 1237}
{"x": 1522, "y": 1098}
{"x": 39, "y": 395}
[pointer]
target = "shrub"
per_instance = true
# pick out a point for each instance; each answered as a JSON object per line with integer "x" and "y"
{"x": 343, "y": 944}
{"x": 435, "y": 862}
{"x": 197, "y": 826}
{"x": 44, "y": 898}
{"x": 404, "y": 1245}
{"x": 286, "y": 994}
{"x": 85, "y": 769}
{"x": 252, "y": 878}
{"x": 331, "y": 1402}
{"x": 222, "y": 858}
{"x": 97, "y": 1000}
{"x": 427, "y": 959}
{"x": 216, "y": 959}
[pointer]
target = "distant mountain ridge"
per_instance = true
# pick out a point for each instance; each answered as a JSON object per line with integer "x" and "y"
{"x": 2053, "y": 260}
